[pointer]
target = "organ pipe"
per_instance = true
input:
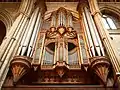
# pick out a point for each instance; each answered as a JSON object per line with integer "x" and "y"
{"x": 55, "y": 53}
{"x": 61, "y": 18}
{"x": 61, "y": 53}
{"x": 79, "y": 51}
{"x": 35, "y": 40}
{"x": 94, "y": 38}
{"x": 53, "y": 20}
{"x": 24, "y": 37}
{"x": 30, "y": 30}
{"x": 20, "y": 47}
{"x": 97, "y": 35}
{"x": 70, "y": 22}
{"x": 61, "y": 21}
{"x": 90, "y": 42}
{"x": 37, "y": 48}
{"x": 64, "y": 19}
{"x": 66, "y": 52}
{"x": 40, "y": 49}
{"x": 34, "y": 34}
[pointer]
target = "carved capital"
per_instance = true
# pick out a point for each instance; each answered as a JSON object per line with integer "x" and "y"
{"x": 20, "y": 65}
{"x": 100, "y": 65}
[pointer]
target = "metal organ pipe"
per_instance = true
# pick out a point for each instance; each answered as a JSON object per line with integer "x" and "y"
{"x": 39, "y": 26}
{"x": 91, "y": 45}
{"x": 70, "y": 22}
{"x": 55, "y": 53}
{"x": 61, "y": 19}
{"x": 26, "y": 32}
{"x": 30, "y": 30}
{"x": 97, "y": 35}
{"x": 35, "y": 33}
{"x": 94, "y": 38}
{"x": 20, "y": 47}
{"x": 6, "y": 62}
{"x": 7, "y": 42}
{"x": 66, "y": 51}
{"x": 64, "y": 19}
{"x": 53, "y": 21}
{"x": 42, "y": 48}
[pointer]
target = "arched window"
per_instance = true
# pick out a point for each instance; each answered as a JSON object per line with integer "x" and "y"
{"x": 2, "y": 31}
{"x": 108, "y": 22}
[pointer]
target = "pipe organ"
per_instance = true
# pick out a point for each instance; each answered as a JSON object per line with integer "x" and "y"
{"x": 61, "y": 54}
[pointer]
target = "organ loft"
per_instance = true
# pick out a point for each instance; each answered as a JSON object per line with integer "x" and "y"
{"x": 59, "y": 45}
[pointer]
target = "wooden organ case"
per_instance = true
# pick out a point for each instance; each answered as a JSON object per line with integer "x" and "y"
{"x": 61, "y": 57}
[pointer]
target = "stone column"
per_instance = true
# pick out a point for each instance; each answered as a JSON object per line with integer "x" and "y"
{"x": 13, "y": 39}
{"x": 105, "y": 36}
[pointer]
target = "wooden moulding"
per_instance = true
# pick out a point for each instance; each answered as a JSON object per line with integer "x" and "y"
{"x": 20, "y": 65}
{"x": 61, "y": 68}
{"x": 100, "y": 65}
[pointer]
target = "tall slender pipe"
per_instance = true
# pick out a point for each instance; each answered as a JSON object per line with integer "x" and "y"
{"x": 42, "y": 48}
{"x": 30, "y": 30}
{"x": 34, "y": 44}
{"x": 20, "y": 45}
{"x": 35, "y": 33}
{"x": 24, "y": 37}
{"x": 59, "y": 19}
{"x": 61, "y": 22}
{"x": 66, "y": 50}
{"x": 37, "y": 49}
{"x": 26, "y": 9}
{"x": 64, "y": 19}
{"x": 97, "y": 35}
{"x": 79, "y": 51}
{"x": 70, "y": 22}
{"x": 91, "y": 45}
{"x": 7, "y": 42}
{"x": 55, "y": 53}
{"x": 14, "y": 39}
{"x": 53, "y": 19}
{"x": 18, "y": 24}
{"x": 6, "y": 62}
{"x": 58, "y": 51}
{"x": 94, "y": 38}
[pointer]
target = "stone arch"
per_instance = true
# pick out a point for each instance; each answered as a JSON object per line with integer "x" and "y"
{"x": 2, "y": 31}
{"x": 6, "y": 18}
{"x": 113, "y": 12}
